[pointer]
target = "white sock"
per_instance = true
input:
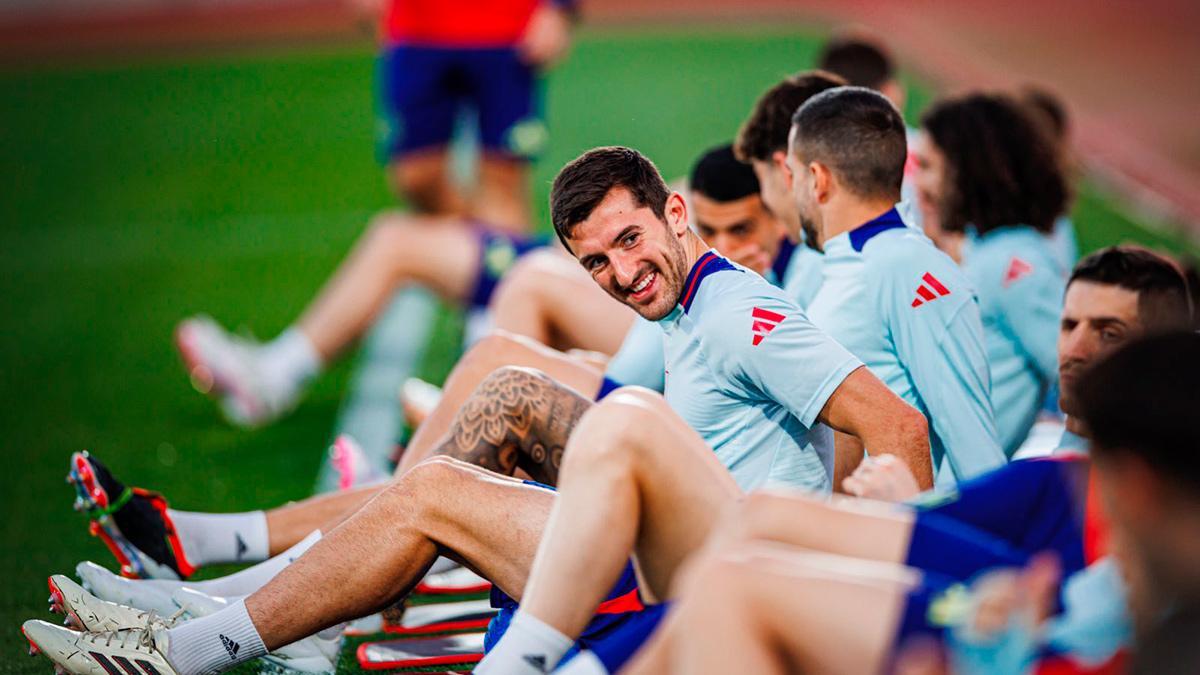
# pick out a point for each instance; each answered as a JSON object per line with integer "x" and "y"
{"x": 529, "y": 647}
{"x": 210, "y": 538}
{"x": 253, "y": 578}
{"x": 289, "y": 361}
{"x": 585, "y": 663}
{"x": 214, "y": 643}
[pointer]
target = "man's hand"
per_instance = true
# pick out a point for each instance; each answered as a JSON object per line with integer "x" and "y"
{"x": 884, "y": 477}
{"x": 547, "y": 37}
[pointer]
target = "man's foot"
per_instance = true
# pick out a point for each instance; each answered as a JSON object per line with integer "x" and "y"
{"x": 144, "y": 595}
{"x": 86, "y": 612}
{"x": 227, "y": 367}
{"x": 135, "y": 650}
{"x": 313, "y": 654}
{"x": 132, "y": 522}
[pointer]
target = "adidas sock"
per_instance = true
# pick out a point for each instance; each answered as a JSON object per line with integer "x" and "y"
{"x": 529, "y": 647}
{"x": 289, "y": 361}
{"x": 214, "y": 643}
{"x": 253, "y": 578}
{"x": 210, "y": 538}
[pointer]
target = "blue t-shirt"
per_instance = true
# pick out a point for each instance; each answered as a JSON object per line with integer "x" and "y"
{"x": 747, "y": 371}
{"x": 1021, "y": 282}
{"x": 903, "y": 307}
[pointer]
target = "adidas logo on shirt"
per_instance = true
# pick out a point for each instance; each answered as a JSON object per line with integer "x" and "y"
{"x": 1017, "y": 268}
{"x": 930, "y": 289}
{"x": 764, "y": 321}
{"x": 230, "y": 646}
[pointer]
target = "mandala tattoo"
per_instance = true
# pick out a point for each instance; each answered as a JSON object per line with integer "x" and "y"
{"x": 516, "y": 418}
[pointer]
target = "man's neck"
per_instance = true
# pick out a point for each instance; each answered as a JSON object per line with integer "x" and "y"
{"x": 849, "y": 214}
{"x": 693, "y": 248}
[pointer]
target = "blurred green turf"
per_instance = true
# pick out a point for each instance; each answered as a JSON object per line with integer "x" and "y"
{"x": 135, "y": 194}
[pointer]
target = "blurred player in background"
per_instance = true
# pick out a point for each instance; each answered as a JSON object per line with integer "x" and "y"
{"x": 440, "y": 59}
{"x": 1049, "y": 110}
{"x": 990, "y": 174}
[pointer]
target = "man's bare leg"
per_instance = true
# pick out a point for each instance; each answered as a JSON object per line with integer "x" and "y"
{"x": 495, "y": 351}
{"x": 775, "y": 609}
{"x": 397, "y": 249}
{"x": 501, "y": 199}
{"x": 515, "y": 418}
{"x": 631, "y": 469}
{"x": 550, "y": 298}
{"x": 423, "y": 178}
{"x": 442, "y": 507}
{"x": 491, "y": 523}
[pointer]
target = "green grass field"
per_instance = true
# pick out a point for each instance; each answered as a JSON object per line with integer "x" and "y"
{"x": 136, "y": 194}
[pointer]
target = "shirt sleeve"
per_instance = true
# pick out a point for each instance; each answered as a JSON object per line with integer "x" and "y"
{"x": 640, "y": 360}
{"x": 941, "y": 345}
{"x": 1032, "y": 306}
{"x": 770, "y": 348}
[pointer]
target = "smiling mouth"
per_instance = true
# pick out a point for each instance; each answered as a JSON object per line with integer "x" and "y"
{"x": 639, "y": 290}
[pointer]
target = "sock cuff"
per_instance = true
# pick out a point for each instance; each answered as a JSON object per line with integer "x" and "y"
{"x": 533, "y": 626}
{"x": 214, "y": 643}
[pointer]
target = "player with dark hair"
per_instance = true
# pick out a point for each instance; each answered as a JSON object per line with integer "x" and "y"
{"x": 1052, "y": 112}
{"x": 992, "y": 174}
{"x": 606, "y": 207}
{"x": 889, "y": 296}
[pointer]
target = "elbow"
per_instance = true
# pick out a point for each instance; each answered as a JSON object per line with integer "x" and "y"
{"x": 914, "y": 426}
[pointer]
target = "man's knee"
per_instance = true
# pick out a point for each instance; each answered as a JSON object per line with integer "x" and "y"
{"x": 526, "y": 281}
{"x": 616, "y": 432}
{"x": 497, "y": 349}
{"x": 424, "y": 486}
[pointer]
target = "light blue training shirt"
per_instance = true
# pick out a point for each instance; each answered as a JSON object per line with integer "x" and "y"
{"x": 747, "y": 371}
{"x": 1021, "y": 281}
{"x": 907, "y": 310}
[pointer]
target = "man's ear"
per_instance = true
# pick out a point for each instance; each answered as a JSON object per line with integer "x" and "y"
{"x": 823, "y": 183}
{"x": 779, "y": 159}
{"x": 676, "y": 213}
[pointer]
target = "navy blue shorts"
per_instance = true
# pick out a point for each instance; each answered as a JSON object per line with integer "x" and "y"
{"x": 498, "y": 252}
{"x": 422, "y": 91}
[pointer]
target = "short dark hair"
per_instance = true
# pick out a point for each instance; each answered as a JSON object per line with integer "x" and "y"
{"x": 1003, "y": 167}
{"x": 859, "y": 135}
{"x": 861, "y": 60}
{"x": 766, "y": 130}
{"x": 719, "y": 176}
{"x": 1163, "y": 300}
{"x": 1142, "y": 401}
{"x": 586, "y": 180}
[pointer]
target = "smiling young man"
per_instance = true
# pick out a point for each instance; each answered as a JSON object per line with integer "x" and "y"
{"x": 752, "y": 388}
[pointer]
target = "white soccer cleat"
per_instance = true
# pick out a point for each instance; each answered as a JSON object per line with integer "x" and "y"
{"x": 135, "y": 650}
{"x": 313, "y": 654}
{"x": 147, "y": 595}
{"x": 227, "y": 368}
{"x": 86, "y": 612}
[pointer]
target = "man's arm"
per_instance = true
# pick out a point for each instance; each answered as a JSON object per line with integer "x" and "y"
{"x": 864, "y": 407}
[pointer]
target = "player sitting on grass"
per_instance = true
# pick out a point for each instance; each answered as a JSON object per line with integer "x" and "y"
{"x": 727, "y": 212}
{"x": 988, "y": 168}
{"x": 889, "y": 295}
{"x": 1000, "y": 518}
{"x": 758, "y": 407}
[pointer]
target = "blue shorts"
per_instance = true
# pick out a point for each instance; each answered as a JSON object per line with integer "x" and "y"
{"x": 498, "y": 252}
{"x": 1002, "y": 518}
{"x": 422, "y": 90}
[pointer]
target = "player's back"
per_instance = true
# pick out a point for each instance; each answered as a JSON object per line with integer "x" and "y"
{"x": 748, "y": 371}
{"x": 1021, "y": 282}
